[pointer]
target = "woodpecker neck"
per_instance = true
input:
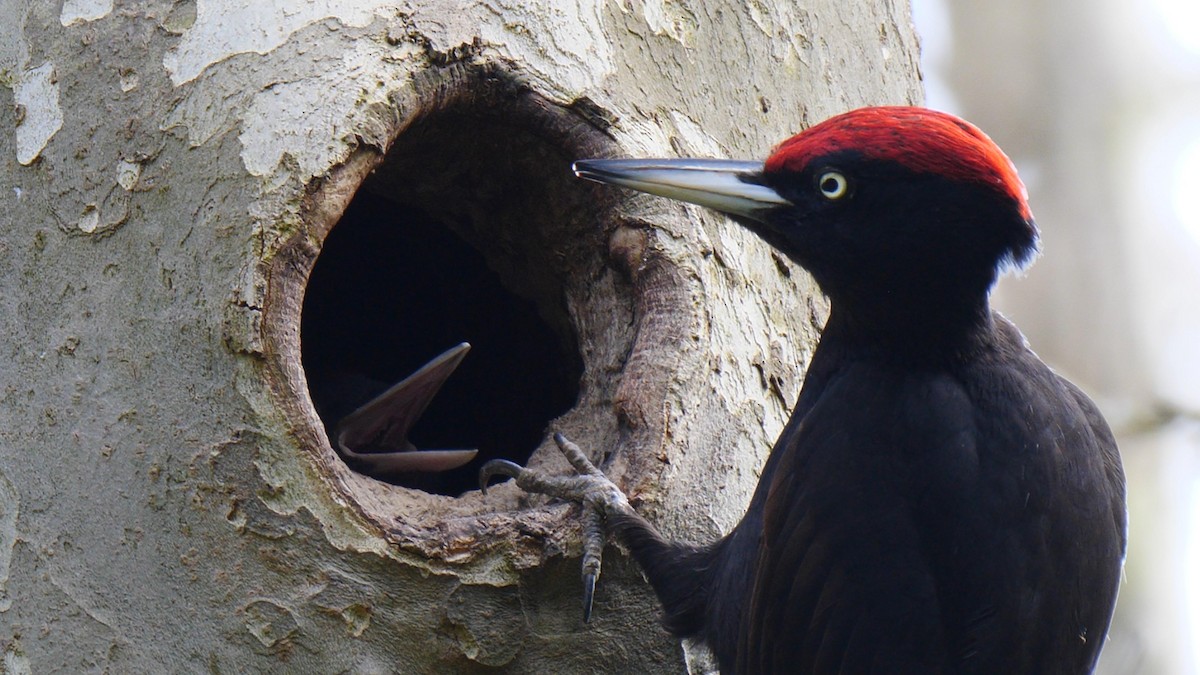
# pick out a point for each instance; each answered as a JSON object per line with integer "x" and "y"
{"x": 911, "y": 329}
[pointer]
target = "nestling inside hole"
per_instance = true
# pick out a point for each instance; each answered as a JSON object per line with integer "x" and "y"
{"x": 394, "y": 288}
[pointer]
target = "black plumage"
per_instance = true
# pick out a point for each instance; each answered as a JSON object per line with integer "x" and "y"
{"x": 940, "y": 500}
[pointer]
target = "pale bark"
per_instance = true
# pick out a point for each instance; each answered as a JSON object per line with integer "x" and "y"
{"x": 168, "y": 498}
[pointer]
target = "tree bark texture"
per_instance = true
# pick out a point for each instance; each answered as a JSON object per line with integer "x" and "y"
{"x": 169, "y": 500}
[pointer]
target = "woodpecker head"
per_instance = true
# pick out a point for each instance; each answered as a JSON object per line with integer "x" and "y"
{"x": 889, "y": 202}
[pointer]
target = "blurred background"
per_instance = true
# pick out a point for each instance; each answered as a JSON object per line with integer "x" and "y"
{"x": 1098, "y": 104}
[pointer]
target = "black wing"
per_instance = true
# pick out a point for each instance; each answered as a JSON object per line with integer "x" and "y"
{"x": 968, "y": 521}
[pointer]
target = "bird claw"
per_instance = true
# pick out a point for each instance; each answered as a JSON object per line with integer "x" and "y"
{"x": 590, "y": 487}
{"x": 593, "y": 549}
{"x": 497, "y": 467}
{"x": 589, "y": 591}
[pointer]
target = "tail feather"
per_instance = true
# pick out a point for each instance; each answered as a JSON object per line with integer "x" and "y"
{"x": 677, "y": 572}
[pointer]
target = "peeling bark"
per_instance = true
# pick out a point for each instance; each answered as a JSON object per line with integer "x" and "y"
{"x": 168, "y": 497}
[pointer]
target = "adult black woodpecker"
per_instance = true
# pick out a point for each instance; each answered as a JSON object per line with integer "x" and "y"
{"x": 940, "y": 501}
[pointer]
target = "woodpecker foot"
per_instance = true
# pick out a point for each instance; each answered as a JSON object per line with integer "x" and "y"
{"x": 598, "y": 496}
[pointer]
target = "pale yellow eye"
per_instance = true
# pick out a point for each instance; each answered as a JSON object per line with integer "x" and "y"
{"x": 833, "y": 185}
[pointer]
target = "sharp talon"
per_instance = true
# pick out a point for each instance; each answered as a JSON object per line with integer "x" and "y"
{"x": 575, "y": 457}
{"x": 589, "y": 487}
{"x": 589, "y": 590}
{"x": 497, "y": 467}
{"x": 593, "y": 549}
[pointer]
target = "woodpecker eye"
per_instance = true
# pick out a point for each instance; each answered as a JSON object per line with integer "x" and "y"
{"x": 833, "y": 185}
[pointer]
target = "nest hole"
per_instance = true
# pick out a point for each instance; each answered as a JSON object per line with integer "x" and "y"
{"x": 397, "y": 282}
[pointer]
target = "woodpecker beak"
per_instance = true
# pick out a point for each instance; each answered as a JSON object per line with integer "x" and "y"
{"x": 725, "y": 185}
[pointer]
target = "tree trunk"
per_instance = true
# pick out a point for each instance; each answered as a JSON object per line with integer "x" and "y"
{"x": 169, "y": 500}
